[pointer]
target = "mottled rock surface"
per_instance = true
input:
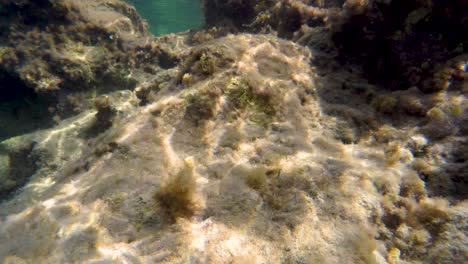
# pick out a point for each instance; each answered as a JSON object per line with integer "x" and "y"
{"x": 57, "y": 56}
{"x": 242, "y": 147}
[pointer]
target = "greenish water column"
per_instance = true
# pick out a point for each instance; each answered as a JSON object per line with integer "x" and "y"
{"x": 170, "y": 16}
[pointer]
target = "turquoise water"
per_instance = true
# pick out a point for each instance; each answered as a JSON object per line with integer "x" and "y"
{"x": 170, "y": 16}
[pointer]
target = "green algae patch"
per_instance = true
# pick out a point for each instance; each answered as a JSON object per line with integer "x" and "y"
{"x": 260, "y": 103}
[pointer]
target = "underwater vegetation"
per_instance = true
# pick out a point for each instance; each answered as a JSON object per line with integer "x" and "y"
{"x": 176, "y": 197}
{"x": 404, "y": 44}
{"x": 61, "y": 56}
{"x": 291, "y": 131}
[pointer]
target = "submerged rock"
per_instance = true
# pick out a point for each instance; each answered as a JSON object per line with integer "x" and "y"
{"x": 244, "y": 147}
{"x": 17, "y": 165}
{"x": 400, "y": 44}
{"x": 56, "y": 56}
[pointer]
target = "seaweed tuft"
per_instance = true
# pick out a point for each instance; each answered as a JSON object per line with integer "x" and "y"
{"x": 176, "y": 197}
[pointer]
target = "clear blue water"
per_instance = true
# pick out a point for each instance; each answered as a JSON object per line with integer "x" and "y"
{"x": 170, "y": 16}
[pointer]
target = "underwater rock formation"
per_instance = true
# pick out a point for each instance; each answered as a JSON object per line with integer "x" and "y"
{"x": 399, "y": 43}
{"x": 242, "y": 147}
{"x": 66, "y": 45}
{"x": 56, "y": 55}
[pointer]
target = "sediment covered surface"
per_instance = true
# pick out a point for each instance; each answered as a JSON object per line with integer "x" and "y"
{"x": 264, "y": 140}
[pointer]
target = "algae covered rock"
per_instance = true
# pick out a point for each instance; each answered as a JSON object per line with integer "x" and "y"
{"x": 239, "y": 147}
{"x": 17, "y": 165}
{"x": 56, "y": 54}
{"x": 399, "y": 43}
{"x": 58, "y": 45}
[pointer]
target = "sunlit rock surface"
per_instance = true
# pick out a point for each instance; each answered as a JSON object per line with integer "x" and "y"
{"x": 242, "y": 148}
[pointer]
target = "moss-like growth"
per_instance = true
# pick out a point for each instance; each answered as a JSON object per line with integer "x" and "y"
{"x": 116, "y": 201}
{"x": 432, "y": 214}
{"x": 188, "y": 79}
{"x": 147, "y": 91}
{"x": 231, "y": 138}
{"x": 386, "y": 134}
{"x": 260, "y": 102}
{"x": 104, "y": 118}
{"x": 457, "y": 110}
{"x": 393, "y": 154}
{"x": 105, "y": 112}
{"x": 18, "y": 166}
{"x": 201, "y": 105}
{"x": 441, "y": 80}
{"x": 238, "y": 92}
{"x": 49, "y": 46}
{"x": 422, "y": 166}
{"x": 439, "y": 125}
{"x": 345, "y": 133}
{"x": 385, "y": 104}
{"x": 8, "y": 57}
{"x": 436, "y": 114}
{"x": 420, "y": 237}
{"x": 176, "y": 197}
{"x": 13, "y": 259}
{"x": 207, "y": 64}
{"x": 256, "y": 177}
{"x": 280, "y": 192}
{"x": 412, "y": 186}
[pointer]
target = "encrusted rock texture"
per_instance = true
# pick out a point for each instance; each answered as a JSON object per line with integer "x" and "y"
{"x": 284, "y": 132}
{"x": 399, "y": 44}
{"x": 56, "y": 54}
